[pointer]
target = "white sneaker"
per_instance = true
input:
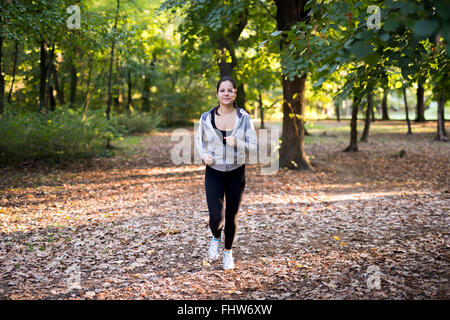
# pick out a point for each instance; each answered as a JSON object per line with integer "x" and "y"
{"x": 228, "y": 262}
{"x": 214, "y": 248}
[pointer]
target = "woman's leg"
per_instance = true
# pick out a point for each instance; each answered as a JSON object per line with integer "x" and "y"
{"x": 234, "y": 188}
{"x": 214, "y": 186}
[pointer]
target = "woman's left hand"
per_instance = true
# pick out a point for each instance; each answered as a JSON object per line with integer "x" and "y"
{"x": 231, "y": 141}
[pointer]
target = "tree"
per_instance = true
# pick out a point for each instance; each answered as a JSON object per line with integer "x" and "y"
{"x": 2, "y": 78}
{"x": 113, "y": 40}
{"x": 441, "y": 132}
{"x": 292, "y": 149}
{"x": 406, "y": 110}
{"x": 16, "y": 53}
{"x": 384, "y": 105}
{"x": 420, "y": 106}
{"x": 219, "y": 23}
{"x": 353, "y": 146}
{"x": 259, "y": 67}
{"x": 401, "y": 44}
{"x": 369, "y": 107}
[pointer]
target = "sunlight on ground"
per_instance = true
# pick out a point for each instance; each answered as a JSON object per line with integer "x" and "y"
{"x": 331, "y": 197}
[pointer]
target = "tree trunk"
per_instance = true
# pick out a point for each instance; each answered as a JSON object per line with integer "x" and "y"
{"x": 146, "y": 94}
{"x": 58, "y": 88}
{"x": 42, "y": 76}
{"x": 2, "y": 79}
{"x": 13, "y": 71}
{"x": 372, "y": 110}
{"x": 261, "y": 110}
{"x": 224, "y": 46}
{"x": 129, "y": 91}
{"x": 365, "y": 134}
{"x": 50, "y": 99}
{"x": 406, "y": 111}
{"x": 88, "y": 86}
{"x": 73, "y": 82}
{"x": 441, "y": 133}
{"x": 241, "y": 96}
{"x": 353, "y": 147}
{"x": 224, "y": 42}
{"x": 420, "y": 107}
{"x": 292, "y": 150}
{"x": 108, "y": 102}
{"x": 384, "y": 106}
{"x": 337, "y": 107}
{"x": 117, "y": 87}
{"x": 306, "y": 131}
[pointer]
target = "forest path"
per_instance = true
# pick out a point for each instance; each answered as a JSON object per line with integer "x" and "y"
{"x": 370, "y": 225}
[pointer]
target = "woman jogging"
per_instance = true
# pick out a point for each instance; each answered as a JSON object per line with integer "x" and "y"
{"x": 224, "y": 135}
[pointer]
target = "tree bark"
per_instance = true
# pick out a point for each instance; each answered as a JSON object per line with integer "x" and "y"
{"x": 73, "y": 82}
{"x": 384, "y": 106}
{"x": 372, "y": 110}
{"x": 129, "y": 91}
{"x": 441, "y": 132}
{"x": 241, "y": 96}
{"x": 406, "y": 110}
{"x": 2, "y": 79}
{"x": 117, "y": 87}
{"x": 58, "y": 88}
{"x": 420, "y": 107}
{"x": 365, "y": 135}
{"x": 306, "y": 131}
{"x": 146, "y": 88}
{"x": 261, "y": 110}
{"x": 43, "y": 75}
{"x": 108, "y": 102}
{"x": 88, "y": 86}
{"x": 337, "y": 107}
{"x": 292, "y": 150}
{"x": 50, "y": 99}
{"x": 48, "y": 86}
{"x": 146, "y": 94}
{"x": 353, "y": 147}
{"x": 13, "y": 71}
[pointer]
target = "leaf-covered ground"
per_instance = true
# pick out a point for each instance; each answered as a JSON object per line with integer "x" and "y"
{"x": 370, "y": 225}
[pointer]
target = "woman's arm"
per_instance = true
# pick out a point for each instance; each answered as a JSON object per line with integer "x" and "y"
{"x": 200, "y": 143}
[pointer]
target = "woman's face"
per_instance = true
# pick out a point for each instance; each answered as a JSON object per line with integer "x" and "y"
{"x": 226, "y": 93}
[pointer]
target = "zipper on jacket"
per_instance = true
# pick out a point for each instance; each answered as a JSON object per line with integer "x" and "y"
{"x": 232, "y": 132}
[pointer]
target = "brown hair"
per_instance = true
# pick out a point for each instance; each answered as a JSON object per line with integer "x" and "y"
{"x": 226, "y": 78}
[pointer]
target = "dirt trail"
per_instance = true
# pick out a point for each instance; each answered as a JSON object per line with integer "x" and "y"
{"x": 362, "y": 226}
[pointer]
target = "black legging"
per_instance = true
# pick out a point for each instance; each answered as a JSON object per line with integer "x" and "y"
{"x": 231, "y": 184}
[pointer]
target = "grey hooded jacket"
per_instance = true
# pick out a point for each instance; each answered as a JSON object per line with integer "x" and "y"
{"x": 226, "y": 158}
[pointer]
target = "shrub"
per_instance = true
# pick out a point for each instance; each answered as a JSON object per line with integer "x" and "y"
{"x": 138, "y": 122}
{"x": 63, "y": 135}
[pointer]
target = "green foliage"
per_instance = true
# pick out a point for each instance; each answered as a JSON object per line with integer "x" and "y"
{"x": 62, "y": 136}
{"x": 209, "y": 25}
{"x": 337, "y": 40}
{"x": 138, "y": 122}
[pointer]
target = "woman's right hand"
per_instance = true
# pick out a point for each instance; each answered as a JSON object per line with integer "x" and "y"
{"x": 209, "y": 160}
